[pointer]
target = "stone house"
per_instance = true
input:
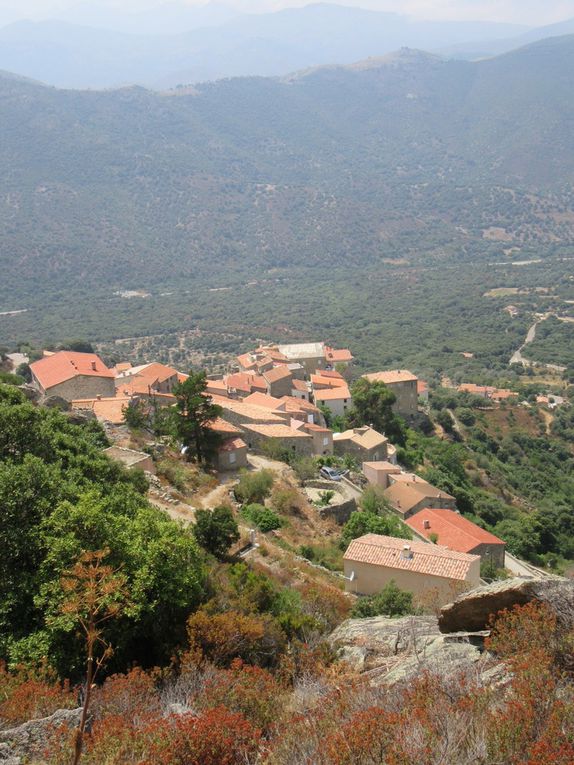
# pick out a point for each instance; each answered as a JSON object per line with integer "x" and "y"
{"x": 280, "y": 435}
{"x": 279, "y": 381}
{"x": 365, "y": 444}
{"x": 378, "y": 473}
{"x": 153, "y": 378}
{"x": 337, "y": 400}
{"x": 431, "y": 572}
{"x": 72, "y": 375}
{"x": 322, "y": 437}
{"x": 452, "y": 530}
{"x": 404, "y": 385}
{"x": 231, "y": 455}
{"x": 408, "y": 497}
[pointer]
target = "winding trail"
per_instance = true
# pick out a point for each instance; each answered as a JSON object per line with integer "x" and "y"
{"x": 518, "y": 358}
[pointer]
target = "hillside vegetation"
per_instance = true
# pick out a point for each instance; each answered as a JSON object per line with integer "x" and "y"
{"x": 407, "y": 174}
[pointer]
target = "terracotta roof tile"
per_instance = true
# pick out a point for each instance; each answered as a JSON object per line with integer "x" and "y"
{"x": 276, "y": 431}
{"x": 106, "y": 409}
{"x": 366, "y": 437}
{"x": 65, "y": 365}
{"x": 429, "y": 559}
{"x": 336, "y": 355}
{"x": 276, "y": 374}
{"x": 332, "y": 394}
{"x": 232, "y": 444}
{"x": 391, "y": 376}
{"x": 404, "y": 495}
{"x": 453, "y": 530}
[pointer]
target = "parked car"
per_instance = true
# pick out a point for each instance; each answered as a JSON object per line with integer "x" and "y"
{"x": 330, "y": 473}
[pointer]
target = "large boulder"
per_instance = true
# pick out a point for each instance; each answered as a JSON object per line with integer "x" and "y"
{"x": 368, "y": 643}
{"x": 32, "y": 736}
{"x": 472, "y": 610}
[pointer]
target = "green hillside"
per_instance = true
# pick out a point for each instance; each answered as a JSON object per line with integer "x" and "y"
{"x": 409, "y": 159}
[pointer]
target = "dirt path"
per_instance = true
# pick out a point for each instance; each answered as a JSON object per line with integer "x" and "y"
{"x": 518, "y": 358}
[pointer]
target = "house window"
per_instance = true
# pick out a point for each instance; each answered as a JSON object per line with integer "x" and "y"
{"x": 232, "y": 458}
{"x": 325, "y": 441}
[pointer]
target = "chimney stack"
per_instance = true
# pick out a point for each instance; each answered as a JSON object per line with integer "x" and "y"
{"x": 407, "y": 552}
{"x": 93, "y": 366}
{"x": 426, "y": 523}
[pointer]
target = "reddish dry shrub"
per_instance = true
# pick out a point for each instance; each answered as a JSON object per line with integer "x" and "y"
{"x": 219, "y": 737}
{"x": 26, "y": 696}
{"x": 221, "y": 638}
{"x": 252, "y": 691}
{"x": 325, "y": 603}
{"x": 367, "y": 739}
{"x": 132, "y": 696}
{"x": 522, "y": 630}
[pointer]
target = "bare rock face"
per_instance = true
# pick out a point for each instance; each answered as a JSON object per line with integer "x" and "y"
{"x": 472, "y": 610}
{"x": 367, "y": 643}
{"x": 32, "y": 736}
{"x": 392, "y": 651}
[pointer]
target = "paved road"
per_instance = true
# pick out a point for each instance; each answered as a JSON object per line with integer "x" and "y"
{"x": 521, "y": 568}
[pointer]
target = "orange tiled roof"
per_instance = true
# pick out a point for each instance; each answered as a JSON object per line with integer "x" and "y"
{"x": 222, "y": 426}
{"x": 334, "y": 355}
{"x": 330, "y": 373}
{"x": 65, "y": 365}
{"x": 300, "y": 385}
{"x": 332, "y": 394}
{"x": 232, "y": 444}
{"x": 267, "y": 402}
{"x": 367, "y": 438}
{"x": 329, "y": 382}
{"x": 249, "y": 411}
{"x": 107, "y": 409}
{"x": 404, "y": 495}
{"x": 429, "y": 559}
{"x": 292, "y": 404}
{"x": 422, "y": 387}
{"x": 246, "y": 361}
{"x": 276, "y": 373}
{"x": 453, "y": 530}
{"x": 391, "y": 376}
{"x": 276, "y": 431}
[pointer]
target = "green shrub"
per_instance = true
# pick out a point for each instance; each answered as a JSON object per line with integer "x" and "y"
{"x": 390, "y": 601}
{"x": 216, "y": 530}
{"x": 254, "y": 487}
{"x": 366, "y": 523}
{"x": 261, "y": 517}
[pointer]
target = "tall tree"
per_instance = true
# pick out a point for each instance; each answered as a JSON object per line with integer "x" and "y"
{"x": 195, "y": 412}
{"x": 372, "y": 405}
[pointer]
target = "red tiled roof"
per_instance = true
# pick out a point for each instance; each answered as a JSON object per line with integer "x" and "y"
{"x": 330, "y": 373}
{"x": 246, "y": 361}
{"x": 232, "y": 444}
{"x": 300, "y": 385}
{"x": 108, "y": 409}
{"x": 332, "y": 394}
{"x": 453, "y": 530}
{"x": 276, "y": 431}
{"x": 429, "y": 559}
{"x": 268, "y": 402}
{"x": 328, "y": 382}
{"x": 65, "y": 365}
{"x": 276, "y": 374}
{"x": 222, "y": 426}
{"x": 422, "y": 387}
{"x": 342, "y": 354}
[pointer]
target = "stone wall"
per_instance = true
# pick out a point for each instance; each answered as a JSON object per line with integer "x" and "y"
{"x": 88, "y": 386}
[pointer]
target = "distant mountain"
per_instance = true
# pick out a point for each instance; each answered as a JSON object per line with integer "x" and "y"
{"x": 494, "y": 47}
{"x": 392, "y": 157}
{"x": 67, "y": 55}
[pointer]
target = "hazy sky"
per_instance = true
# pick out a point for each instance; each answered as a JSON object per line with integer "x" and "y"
{"x": 519, "y": 11}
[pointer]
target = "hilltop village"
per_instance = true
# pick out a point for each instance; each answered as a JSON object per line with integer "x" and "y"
{"x": 280, "y": 404}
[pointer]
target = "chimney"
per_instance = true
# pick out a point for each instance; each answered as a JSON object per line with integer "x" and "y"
{"x": 426, "y": 523}
{"x": 99, "y": 396}
{"x": 93, "y": 366}
{"x": 407, "y": 552}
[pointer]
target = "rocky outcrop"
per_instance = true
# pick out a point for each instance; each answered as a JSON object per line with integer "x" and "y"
{"x": 472, "y": 610}
{"x": 32, "y": 736}
{"x": 393, "y": 650}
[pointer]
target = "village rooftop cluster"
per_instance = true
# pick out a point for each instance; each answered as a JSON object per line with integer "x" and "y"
{"x": 279, "y": 394}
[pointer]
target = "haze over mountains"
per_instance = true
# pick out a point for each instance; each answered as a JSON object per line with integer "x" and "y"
{"x": 90, "y": 47}
{"x": 401, "y": 157}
